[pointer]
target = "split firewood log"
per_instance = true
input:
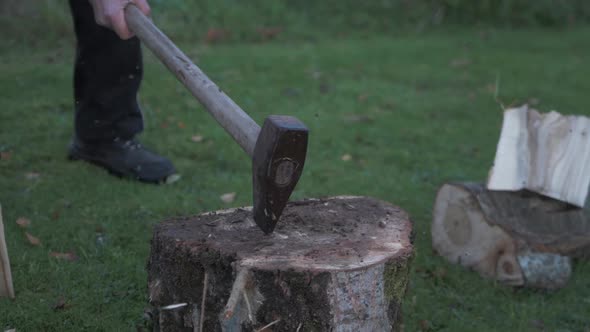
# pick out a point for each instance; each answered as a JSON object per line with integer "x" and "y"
{"x": 545, "y": 153}
{"x": 519, "y": 238}
{"x": 6, "y": 287}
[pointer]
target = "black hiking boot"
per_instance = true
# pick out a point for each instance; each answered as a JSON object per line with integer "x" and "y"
{"x": 125, "y": 158}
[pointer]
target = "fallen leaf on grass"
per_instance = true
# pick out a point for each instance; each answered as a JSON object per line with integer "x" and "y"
{"x": 32, "y": 175}
{"x": 424, "y": 325}
{"x": 60, "y": 304}
{"x": 5, "y": 155}
{"x": 32, "y": 239}
{"x": 490, "y": 88}
{"x": 537, "y": 324}
{"x": 23, "y": 222}
{"x": 346, "y": 157}
{"x": 216, "y": 35}
{"x": 358, "y": 118}
{"x": 324, "y": 88}
{"x": 101, "y": 239}
{"x": 181, "y": 125}
{"x": 291, "y": 92}
{"x": 439, "y": 273}
{"x": 66, "y": 256}
{"x": 267, "y": 33}
{"x": 460, "y": 62}
{"x": 197, "y": 138}
{"x": 388, "y": 106}
{"x": 316, "y": 74}
{"x": 228, "y": 197}
{"x": 172, "y": 178}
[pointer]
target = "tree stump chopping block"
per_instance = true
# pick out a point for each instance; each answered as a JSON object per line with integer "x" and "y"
{"x": 335, "y": 264}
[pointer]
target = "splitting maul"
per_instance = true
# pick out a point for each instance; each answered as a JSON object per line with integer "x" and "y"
{"x": 278, "y": 149}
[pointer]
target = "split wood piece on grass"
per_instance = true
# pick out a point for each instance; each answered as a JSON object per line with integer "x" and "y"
{"x": 335, "y": 264}
{"x": 545, "y": 153}
{"x": 518, "y": 238}
{"x": 6, "y": 287}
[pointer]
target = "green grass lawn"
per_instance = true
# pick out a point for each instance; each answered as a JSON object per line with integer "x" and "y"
{"x": 411, "y": 111}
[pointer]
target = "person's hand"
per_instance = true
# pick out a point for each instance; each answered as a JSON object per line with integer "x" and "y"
{"x": 111, "y": 14}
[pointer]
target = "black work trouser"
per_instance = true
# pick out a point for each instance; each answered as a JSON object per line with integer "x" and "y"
{"x": 107, "y": 76}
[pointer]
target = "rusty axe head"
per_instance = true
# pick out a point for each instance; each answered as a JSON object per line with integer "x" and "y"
{"x": 277, "y": 164}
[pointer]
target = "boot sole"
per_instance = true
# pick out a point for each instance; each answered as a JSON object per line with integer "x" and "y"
{"x": 77, "y": 156}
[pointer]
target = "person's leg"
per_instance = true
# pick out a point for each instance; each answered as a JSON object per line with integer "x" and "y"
{"x": 107, "y": 76}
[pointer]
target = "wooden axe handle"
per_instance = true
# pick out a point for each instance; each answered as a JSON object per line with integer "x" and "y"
{"x": 229, "y": 115}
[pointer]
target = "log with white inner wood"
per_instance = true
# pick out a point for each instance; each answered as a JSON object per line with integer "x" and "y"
{"x": 545, "y": 153}
{"x": 334, "y": 264}
{"x": 6, "y": 287}
{"x": 519, "y": 238}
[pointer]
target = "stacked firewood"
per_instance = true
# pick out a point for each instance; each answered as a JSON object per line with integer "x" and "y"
{"x": 524, "y": 226}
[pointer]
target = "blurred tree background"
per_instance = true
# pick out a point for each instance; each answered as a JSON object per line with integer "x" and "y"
{"x": 233, "y": 20}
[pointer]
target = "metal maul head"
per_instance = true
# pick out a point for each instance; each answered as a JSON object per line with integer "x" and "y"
{"x": 277, "y": 164}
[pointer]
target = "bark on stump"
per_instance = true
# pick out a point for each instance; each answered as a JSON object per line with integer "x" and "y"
{"x": 519, "y": 238}
{"x": 336, "y": 264}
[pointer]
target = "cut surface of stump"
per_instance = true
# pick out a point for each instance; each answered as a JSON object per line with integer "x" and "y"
{"x": 545, "y": 153}
{"x": 335, "y": 264}
{"x": 519, "y": 238}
